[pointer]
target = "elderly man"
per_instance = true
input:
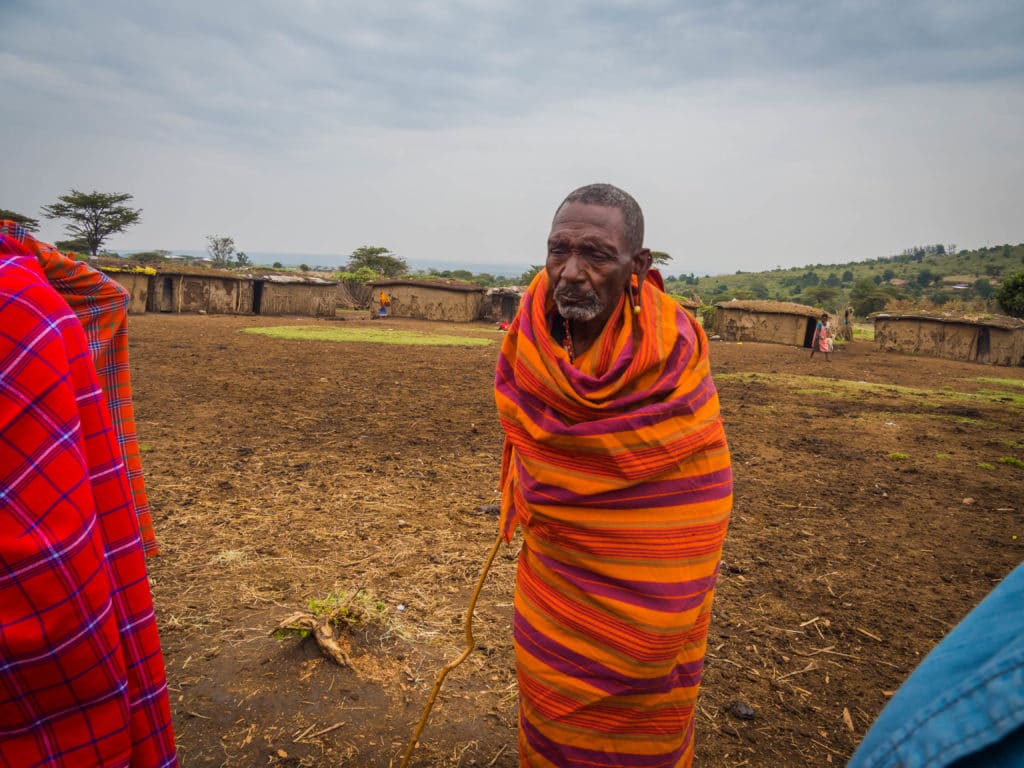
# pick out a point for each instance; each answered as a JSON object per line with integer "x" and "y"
{"x": 616, "y": 469}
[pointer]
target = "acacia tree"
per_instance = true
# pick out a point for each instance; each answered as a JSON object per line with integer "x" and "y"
{"x": 380, "y": 260}
{"x": 93, "y": 216}
{"x": 32, "y": 225}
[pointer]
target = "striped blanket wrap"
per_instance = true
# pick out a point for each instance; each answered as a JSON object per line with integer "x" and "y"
{"x": 101, "y": 305}
{"x": 82, "y": 680}
{"x": 617, "y": 471}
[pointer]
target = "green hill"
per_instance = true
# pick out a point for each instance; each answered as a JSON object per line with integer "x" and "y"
{"x": 925, "y": 277}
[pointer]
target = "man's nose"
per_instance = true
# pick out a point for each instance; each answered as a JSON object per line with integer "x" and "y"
{"x": 573, "y": 268}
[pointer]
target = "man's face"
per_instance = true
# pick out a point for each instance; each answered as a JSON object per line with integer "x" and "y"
{"x": 589, "y": 261}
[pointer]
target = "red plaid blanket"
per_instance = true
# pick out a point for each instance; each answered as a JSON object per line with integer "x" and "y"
{"x": 82, "y": 679}
{"x": 101, "y": 305}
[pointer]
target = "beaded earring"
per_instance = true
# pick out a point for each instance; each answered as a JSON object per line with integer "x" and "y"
{"x": 634, "y": 293}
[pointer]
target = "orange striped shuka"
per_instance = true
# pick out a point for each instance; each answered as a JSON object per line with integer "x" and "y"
{"x": 101, "y": 306}
{"x": 617, "y": 471}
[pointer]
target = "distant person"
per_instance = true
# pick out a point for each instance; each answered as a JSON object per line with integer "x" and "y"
{"x": 101, "y": 306}
{"x": 82, "y": 680}
{"x": 616, "y": 470}
{"x": 964, "y": 704}
{"x": 822, "y": 341}
{"x": 385, "y": 304}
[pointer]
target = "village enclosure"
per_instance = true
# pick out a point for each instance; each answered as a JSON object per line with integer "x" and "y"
{"x": 878, "y": 498}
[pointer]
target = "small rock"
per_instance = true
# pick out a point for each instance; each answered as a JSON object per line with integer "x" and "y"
{"x": 489, "y": 509}
{"x": 741, "y": 709}
{"x": 968, "y": 501}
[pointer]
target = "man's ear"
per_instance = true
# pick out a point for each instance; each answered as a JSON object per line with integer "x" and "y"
{"x": 642, "y": 261}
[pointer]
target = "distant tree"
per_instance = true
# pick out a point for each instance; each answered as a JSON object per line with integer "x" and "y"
{"x": 380, "y": 260}
{"x": 78, "y": 245}
{"x": 993, "y": 270}
{"x": 277, "y": 265}
{"x": 925, "y": 277}
{"x": 819, "y": 295}
{"x": 242, "y": 259}
{"x": 847, "y": 276}
{"x": 32, "y": 225}
{"x": 760, "y": 289}
{"x": 866, "y": 297}
{"x": 938, "y": 297}
{"x": 660, "y": 259}
{"x": 221, "y": 250}
{"x": 93, "y": 216}
{"x": 832, "y": 281}
{"x": 983, "y": 287}
{"x": 888, "y": 275}
{"x": 527, "y": 277}
{"x": 1011, "y": 295}
{"x": 150, "y": 257}
{"x": 304, "y": 267}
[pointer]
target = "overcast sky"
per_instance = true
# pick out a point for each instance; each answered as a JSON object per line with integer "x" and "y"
{"x": 754, "y": 134}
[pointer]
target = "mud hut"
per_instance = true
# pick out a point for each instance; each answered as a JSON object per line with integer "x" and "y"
{"x": 501, "y": 303}
{"x": 136, "y": 280}
{"x": 440, "y": 299}
{"x": 294, "y": 295}
{"x": 995, "y": 339}
{"x": 213, "y": 291}
{"x": 778, "y": 322}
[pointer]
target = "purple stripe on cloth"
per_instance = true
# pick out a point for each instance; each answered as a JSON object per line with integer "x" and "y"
{"x": 567, "y": 756}
{"x": 669, "y": 597}
{"x": 605, "y": 421}
{"x": 694, "y": 489}
{"x": 568, "y": 662}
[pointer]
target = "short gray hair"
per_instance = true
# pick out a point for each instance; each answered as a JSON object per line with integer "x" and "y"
{"x": 613, "y": 197}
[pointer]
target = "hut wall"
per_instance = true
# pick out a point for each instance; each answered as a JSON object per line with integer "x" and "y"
{"x": 298, "y": 299}
{"x": 422, "y": 303}
{"x": 498, "y": 305}
{"x": 741, "y": 325}
{"x": 198, "y": 293}
{"x": 137, "y": 285}
{"x": 953, "y": 341}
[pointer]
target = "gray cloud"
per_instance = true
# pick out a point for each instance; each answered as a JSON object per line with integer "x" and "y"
{"x": 752, "y": 128}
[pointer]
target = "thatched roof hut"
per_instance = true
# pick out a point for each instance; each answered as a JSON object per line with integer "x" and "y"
{"x": 214, "y": 291}
{"x": 779, "y": 322}
{"x": 995, "y": 339}
{"x": 501, "y": 303}
{"x": 275, "y": 294}
{"x": 135, "y": 280}
{"x": 439, "y": 299}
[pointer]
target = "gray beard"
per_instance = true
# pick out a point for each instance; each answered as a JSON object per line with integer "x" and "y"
{"x": 584, "y": 313}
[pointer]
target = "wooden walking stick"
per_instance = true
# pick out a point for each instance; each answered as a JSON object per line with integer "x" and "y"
{"x": 470, "y": 644}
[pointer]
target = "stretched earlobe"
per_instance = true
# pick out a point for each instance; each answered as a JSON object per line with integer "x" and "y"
{"x": 634, "y": 293}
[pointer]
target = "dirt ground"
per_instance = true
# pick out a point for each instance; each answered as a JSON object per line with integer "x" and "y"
{"x": 876, "y": 502}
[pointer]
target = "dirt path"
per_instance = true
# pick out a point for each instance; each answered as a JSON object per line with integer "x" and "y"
{"x": 287, "y": 471}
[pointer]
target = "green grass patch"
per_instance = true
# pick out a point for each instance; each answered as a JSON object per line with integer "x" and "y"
{"x": 986, "y": 465}
{"x": 368, "y": 336}
{"x": 1013, "y": 462}
{"x": 1011, "y": 383}
{"x": 897, "y": 456}
{"x": 845, "y": 388}
{"x": 863, "y": 331}
{"x": 942, "y": 456}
